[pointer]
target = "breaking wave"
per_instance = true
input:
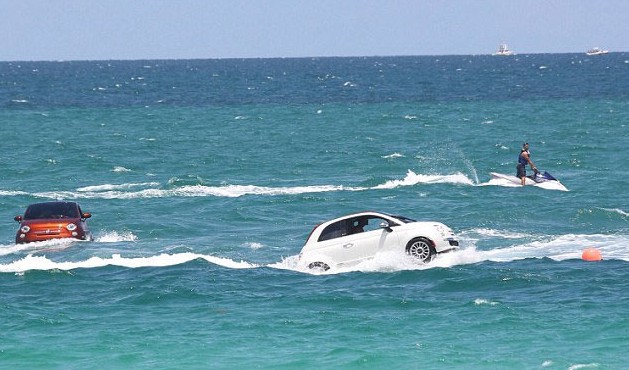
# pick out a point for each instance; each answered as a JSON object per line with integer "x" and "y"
{"x": 31, "y": 262}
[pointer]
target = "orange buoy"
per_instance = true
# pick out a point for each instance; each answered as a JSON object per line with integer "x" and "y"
{"x": 591, "y": 254}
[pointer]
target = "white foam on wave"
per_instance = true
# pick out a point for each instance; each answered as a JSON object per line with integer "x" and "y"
{"x": 254, "y": 245}
{"x": 240, "y": 190}
{"x": 10, "y": 193}
{"x": 15, "y": 248}
{"x": 47, "y": 245}
{"x": 413, "y": 179}
{"x": 31, "y": 262}
{"x": 120, "y": 169}
{"x": 593, "y": 365}
{"x": 114, "y": 237}
{"x": 109, "y": 187}
{"x": 394, "y": 155}
{"x": 481, "y": 301}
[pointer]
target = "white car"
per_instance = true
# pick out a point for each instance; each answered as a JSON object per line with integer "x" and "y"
{"x": 353, "y": 238}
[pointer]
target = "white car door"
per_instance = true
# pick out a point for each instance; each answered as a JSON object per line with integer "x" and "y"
{"x": 365, "y": 240}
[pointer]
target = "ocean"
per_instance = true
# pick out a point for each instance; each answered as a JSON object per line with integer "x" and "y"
{"x": 205, "y": 177}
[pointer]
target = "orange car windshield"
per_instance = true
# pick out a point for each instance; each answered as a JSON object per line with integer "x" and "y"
{"x": 51, "y": 210}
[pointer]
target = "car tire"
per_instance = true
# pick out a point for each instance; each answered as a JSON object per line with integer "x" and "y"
{"x": 421, "y": 249}
{"x": 319, "y": 266}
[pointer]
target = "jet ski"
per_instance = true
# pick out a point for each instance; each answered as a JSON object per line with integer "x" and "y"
{"x": 543, "y": 180}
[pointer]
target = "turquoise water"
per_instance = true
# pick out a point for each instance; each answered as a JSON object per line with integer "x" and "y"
{"x": 204, "y": 178}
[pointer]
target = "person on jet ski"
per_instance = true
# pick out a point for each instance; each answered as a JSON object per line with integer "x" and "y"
{"x": 523, "y": 159}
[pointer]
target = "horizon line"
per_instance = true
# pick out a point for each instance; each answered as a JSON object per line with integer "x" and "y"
{"x": 291, "y": 57}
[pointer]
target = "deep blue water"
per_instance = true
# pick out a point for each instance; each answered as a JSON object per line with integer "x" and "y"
{"x": 205, "y": 177}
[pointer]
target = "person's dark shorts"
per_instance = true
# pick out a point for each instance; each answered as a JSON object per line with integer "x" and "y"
{"x": 521, "y": 171}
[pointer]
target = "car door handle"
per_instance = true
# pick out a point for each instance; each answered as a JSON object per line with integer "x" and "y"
{"x": 348, "y": 245}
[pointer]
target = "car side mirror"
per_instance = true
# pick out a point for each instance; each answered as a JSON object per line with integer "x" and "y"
{"x": 385, "y": 225}
{"x": 86, "y": 215}
{"x": 18, "y": 218}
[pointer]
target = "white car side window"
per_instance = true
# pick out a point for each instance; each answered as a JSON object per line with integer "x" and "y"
{"x": 351, "y": 226}
{"x": 333, "y": 231}
{"x": 365, "y": 224}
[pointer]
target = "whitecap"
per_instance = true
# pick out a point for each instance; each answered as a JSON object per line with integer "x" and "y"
{"x": 394, "y": 155}
{"x": 120, "y": 169}
{"x": 5, "y": 193}
{"x": 583, "y": 366}
{"x": 481, "y": 301}
{"x": 254, "y": 245}
{"x": 114, "y": 236}
{"x": 107, "y": 187}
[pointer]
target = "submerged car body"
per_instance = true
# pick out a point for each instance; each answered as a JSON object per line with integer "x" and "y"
{"x": 356, "y": 237}
{"x": 52, "y": 220}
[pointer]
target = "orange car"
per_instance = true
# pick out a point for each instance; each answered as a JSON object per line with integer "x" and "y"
{"x": 53, "y": 220}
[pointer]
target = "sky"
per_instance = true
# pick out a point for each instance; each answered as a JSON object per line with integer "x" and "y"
{"x": 208, "y": 29}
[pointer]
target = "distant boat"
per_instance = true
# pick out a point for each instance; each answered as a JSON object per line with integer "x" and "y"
{"x": 503, "y": 49}
{"x": 596, "y": 51}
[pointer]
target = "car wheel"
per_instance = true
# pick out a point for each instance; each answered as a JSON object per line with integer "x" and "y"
{"x": 319, "y": 266}
{"x": 421, "y": 249}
